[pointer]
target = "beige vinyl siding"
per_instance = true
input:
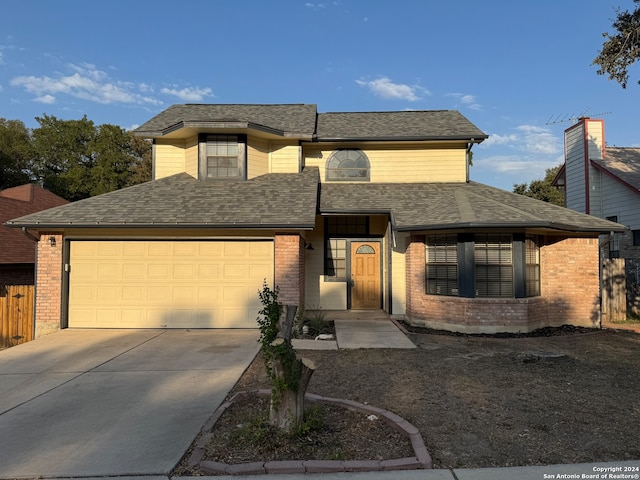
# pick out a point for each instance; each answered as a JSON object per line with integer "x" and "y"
{"x": 284, "y": 158}
{"x": 320, "y": 294}
{"x": 405, "y": 164}
{"x": 332, "y": 295}
{"x": 170, "y": 157}
{"x": 191, "y": 156}
{"x": 398, "y": 275}
{"x": 257, "y": 157}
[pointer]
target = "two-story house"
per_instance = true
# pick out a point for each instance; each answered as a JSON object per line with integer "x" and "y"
{"x": 604, "y": 181}
{"x": 342, "y": 211}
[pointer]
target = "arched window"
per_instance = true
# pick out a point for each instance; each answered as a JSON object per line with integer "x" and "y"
{"x": 349, "y": 164}
{"x": 365, "y": 249}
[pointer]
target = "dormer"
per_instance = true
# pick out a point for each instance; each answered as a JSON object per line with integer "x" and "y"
{"x": 229, "y": 142}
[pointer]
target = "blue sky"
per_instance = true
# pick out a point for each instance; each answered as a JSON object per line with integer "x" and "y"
{"x": 511, "y": 67}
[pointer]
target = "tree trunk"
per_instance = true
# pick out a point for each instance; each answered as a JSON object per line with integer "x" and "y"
{"x": 292, "y": 376}
{"x": 287, "y": 405}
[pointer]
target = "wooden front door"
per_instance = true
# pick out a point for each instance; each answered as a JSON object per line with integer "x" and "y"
{"x": 365, "y": 275}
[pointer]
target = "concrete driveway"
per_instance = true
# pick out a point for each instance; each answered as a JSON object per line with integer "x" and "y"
{"x": 82, "y": 403}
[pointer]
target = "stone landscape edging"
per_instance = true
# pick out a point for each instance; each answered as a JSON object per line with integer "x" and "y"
{"x": 422, "y": 459}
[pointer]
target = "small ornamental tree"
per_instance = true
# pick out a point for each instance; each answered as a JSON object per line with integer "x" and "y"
{"x": 289, "y": 375}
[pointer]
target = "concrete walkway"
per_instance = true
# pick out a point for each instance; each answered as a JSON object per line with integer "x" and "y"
{"x": 92, "y": 403}
{"x": 362, "y": 332}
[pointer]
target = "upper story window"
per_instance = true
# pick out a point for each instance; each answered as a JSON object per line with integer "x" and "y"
{"x": 349, "y": 164}
{"x": 222, "y": 157}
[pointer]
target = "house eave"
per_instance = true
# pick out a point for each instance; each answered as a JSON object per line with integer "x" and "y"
{"x": 412, "y": 138}
{"x": 551, "y": 226}
{"x": 173, "y": 226}
{"x": 203, "y": 126}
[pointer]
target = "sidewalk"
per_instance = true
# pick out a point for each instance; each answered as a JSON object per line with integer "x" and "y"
{"x": 600, "y": 470}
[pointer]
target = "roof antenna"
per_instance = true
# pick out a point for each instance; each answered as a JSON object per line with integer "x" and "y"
{"x": 572, "y": 118}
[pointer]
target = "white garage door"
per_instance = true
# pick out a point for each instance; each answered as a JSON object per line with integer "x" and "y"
{"x": 167, "y": 284}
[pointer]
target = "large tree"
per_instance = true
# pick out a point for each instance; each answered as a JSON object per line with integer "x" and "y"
{"x": 77, "y": 159}
{"x": 64, "y": 157}
{"x": 543, "y": 189}
{"x": 621, "y": 48}
{"x": 16, "y": 154}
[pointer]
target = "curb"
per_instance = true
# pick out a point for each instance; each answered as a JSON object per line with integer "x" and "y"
{"x": 422, "y": 459}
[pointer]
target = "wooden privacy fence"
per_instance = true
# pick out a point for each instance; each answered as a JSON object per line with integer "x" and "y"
{"x": 614, "y": 290}
{"x": 16, "y": 314}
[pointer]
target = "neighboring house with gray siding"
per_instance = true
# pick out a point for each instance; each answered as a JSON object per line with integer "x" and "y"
{"x": 604, "y": 181}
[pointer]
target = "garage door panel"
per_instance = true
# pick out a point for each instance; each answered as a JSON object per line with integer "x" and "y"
{"x": 129, "y": 284}
{"x": 209, "y": 272}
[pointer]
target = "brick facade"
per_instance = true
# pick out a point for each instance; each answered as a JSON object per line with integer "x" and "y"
{"x": 569, "y": 293}
{"x": 48, "y": 285}
{"x": 289, "y": 268}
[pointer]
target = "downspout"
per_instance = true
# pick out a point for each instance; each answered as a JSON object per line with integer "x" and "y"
{"x": 469, "y": 161}
{"x": 30, "y": 235}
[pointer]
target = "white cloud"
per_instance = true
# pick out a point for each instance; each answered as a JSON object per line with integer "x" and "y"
{"x": 383, "y": 87}
{"x": 540, "y": 140}
{"x": 495, "y": 139}
{"x": 466, "y": 100}
{"x": 188, "y": 94}
{"x": 87, "y": 83}
{"x": 515, "y": 164}
{"x": 48, "y": 99}
{"x": 529, "y": 139}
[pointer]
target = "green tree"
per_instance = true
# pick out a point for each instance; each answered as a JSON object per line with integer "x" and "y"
{"x": 16, "y": 154}
{"x": 543, "y": 189}
{"x": 77, "y": 159}
{"x": 622, "y": 48}
{"x": 141, "y": 169}
{"x": 64, "y": 155}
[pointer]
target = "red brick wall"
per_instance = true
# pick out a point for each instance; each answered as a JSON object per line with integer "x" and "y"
{"x": 48, "y": 285}
{"x": 570, "y": 280}
{"x": 569, "y": 294}
{"x": 289, "y": 271}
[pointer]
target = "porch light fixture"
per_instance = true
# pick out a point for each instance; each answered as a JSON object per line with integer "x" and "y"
{"x": 309, "y": 247}
{"x": 52, "y": 241}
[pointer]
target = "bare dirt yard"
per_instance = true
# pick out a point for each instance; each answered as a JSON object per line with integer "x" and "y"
{"x": 563, "y": 396}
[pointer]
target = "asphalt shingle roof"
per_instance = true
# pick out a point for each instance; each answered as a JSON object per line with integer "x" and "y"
{"x": 291, "y": 200}
{"x": 623, "y": 163}
{"x": 432, "y": 206}
{"x": 268, "y": 201}
{"x": 288, "y": 119}
{"x": 412, "y": 124}
{"x": 302, "y": 120}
